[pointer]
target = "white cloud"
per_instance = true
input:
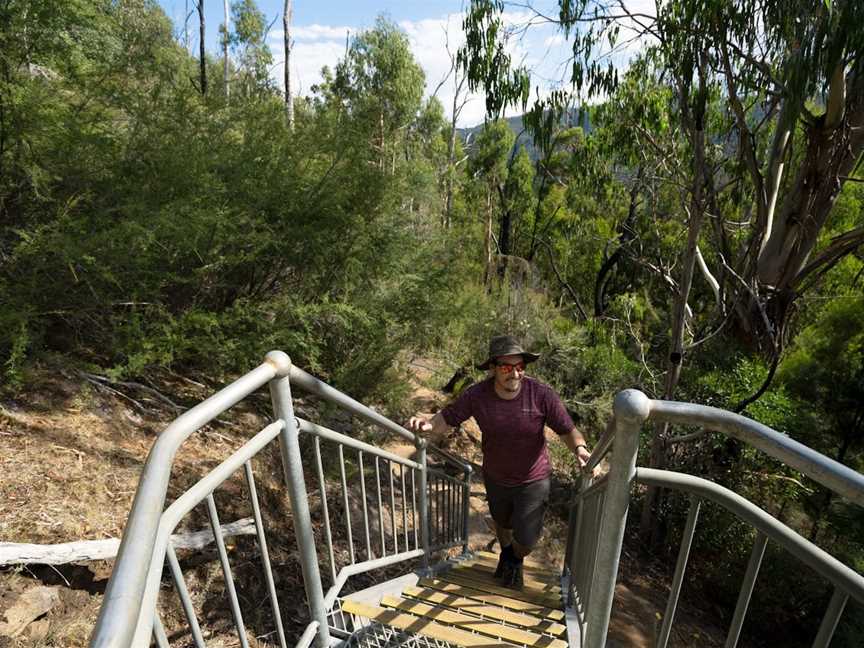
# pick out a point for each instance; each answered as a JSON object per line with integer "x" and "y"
{"x": 541, "y": 48}
{"x": 319, "y": 32}
{"x": 314, "y": 47}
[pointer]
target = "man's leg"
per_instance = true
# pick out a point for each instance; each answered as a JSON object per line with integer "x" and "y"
{"x": 520, "y": 551}
{"x": 500, "y": 503}
{"x": 505, "y": 539}
{"x": 505, "y": 535}
{"x": 529, "y": 508}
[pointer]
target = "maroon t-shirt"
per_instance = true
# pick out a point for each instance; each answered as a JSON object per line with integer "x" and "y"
{"x": 514, "y": 448}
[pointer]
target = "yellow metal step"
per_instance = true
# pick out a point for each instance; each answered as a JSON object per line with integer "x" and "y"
{"x": 490, "y": 559}
{"x": 486, "y": 627}
{"x": 529, "y": 563}
{"x": 489, "y": 584}
{"x": 532, "y": 583}
{"x": 418, "y": 625}
{"x": 471, "y": 606}
{"x": 471, "y": 592}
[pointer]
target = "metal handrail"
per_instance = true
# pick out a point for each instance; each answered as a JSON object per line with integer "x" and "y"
{"x": 124, "y": 594}
{"x": 123, "y": 618}
{"x": 318, "y": 387}
{"x": 824, "y": 470}
{"x": 179, "y": 508}
{"x": 826, "y": 565}
{"x": 602, "y": 447}
{"x": 331, "y": 435}
{"x": 846, "y": 581}
{"x": 604, "y": 537}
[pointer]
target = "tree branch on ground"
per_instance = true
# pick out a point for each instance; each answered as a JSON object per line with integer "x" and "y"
{"x": 13, "y": 553}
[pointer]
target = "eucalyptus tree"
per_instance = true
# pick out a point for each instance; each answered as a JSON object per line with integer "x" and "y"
{"x": 248, "y": 41}
{"x": 789, "y": 77}
{"x": 380, "y": 83}
{"x": 783, "y": 79}
{"x": 459, "y": 102}
{"x": 489, "y": 166}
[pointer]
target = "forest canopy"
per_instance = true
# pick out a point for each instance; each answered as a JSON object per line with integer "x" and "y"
{"x": 690, "y": 224}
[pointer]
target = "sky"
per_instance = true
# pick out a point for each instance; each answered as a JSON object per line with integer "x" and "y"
{"x": 320, "y": 29}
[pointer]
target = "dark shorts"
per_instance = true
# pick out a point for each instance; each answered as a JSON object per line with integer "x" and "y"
{"x": 520, "y": 508}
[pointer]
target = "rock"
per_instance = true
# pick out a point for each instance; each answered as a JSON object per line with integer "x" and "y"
{"x": 38, "y": 631}
{"x": 32, "y": 604}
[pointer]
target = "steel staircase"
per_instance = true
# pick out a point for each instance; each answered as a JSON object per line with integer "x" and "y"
{"x": 465, "y": 606}
{"x": 376, "y": 510}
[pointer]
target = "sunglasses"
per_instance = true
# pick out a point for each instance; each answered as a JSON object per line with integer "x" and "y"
{"x": 507, "y": 368}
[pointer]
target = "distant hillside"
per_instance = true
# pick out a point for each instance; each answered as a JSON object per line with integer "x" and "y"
{"x": 523, "y": 138}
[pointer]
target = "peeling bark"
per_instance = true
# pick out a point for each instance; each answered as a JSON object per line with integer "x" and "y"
{"x": 832, "y": 153}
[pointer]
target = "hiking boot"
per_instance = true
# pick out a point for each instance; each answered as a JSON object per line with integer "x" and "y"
{"x": 513, "y": 576}
{"x": 506, "y": 571}
{"x": 505, "y": 557}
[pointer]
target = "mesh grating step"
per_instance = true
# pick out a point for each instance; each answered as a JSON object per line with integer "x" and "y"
{"x": 377, "y": 635}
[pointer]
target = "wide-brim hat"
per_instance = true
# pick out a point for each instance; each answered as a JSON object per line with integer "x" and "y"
{"x": 504, "y": 345}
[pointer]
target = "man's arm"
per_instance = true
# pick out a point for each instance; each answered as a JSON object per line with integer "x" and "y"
{"x": 576, "y": 442}
{"x": 436, "y": 426}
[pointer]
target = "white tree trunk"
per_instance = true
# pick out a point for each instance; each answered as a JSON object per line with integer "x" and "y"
{"x": 287, "y": 15}
{"x": 706, "y": 273}
{"x": 12, "y": 553}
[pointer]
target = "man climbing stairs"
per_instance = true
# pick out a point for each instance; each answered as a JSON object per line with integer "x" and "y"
{"x": 466, "y": 606}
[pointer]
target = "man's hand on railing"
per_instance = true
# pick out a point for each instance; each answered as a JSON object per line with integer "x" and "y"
{"x": 582, "y": 455}
{"x": 584, "y": 458}
{"x": 419, "y": 425}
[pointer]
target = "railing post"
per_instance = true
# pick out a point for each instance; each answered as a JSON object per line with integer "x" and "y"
{"x": 466, "y": 509}
{"x": 289, "y": 443}
{"x": 680, "y": 568}
{"x": 574, "y": 518}
{"x": 572, "y": 515}
{"x": 574, "y": 533}
{"x": 631, "y": 408}
{"x": 424, "y": 501}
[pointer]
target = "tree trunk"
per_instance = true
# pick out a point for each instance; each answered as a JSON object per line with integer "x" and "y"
{"x": 649, "y": 523}
{"x": 451, "y": 170}
{"x": 487, "y": 241}
{"x": 202, "y": 62}
{"x": 382, "y": 158}
{"x": 12, "y": 553}
{"x": 834, "y": 145}
{"x": 225, "y": 48}
{"x": 627, "y": 234}
{"x": 289, "y": 99}
{"x": 504, "y": 231}
{"x": 186, "y": 15}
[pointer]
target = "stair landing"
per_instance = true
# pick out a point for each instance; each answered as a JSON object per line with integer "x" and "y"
{"x": 466, "y": 606}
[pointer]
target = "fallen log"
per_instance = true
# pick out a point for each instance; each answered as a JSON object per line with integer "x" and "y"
{"x": 13, "y": 553}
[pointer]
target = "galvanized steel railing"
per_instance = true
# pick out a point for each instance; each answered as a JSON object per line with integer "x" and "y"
{"x": 599, "y": 513}
{"x": 407, "y": 510}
